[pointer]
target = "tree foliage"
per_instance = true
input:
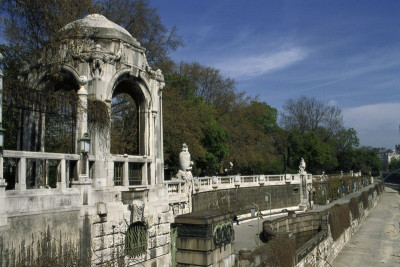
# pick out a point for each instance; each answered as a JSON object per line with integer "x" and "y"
{"x": 394, "y": 164}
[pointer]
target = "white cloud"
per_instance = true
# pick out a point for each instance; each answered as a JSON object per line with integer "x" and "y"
{"x": 247, "y": 66}
{"x": 377, "y": 125}
{"x": 332, "y": 102}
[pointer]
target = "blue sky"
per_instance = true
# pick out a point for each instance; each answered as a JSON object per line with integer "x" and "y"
{"x": 346, "y": 53}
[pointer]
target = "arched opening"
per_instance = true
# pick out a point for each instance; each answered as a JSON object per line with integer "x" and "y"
{"x": 127, "y": 120}
{"x": 60, "y": 116}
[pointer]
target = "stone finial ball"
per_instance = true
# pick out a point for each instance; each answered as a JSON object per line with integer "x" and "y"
{"x": 82, "y": 80}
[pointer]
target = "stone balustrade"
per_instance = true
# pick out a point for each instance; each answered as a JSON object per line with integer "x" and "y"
{"x": 25, "y": 163}
{"x": 204, "y": 184}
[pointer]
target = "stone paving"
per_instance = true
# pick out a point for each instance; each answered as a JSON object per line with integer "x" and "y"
{"x": 377, "y": 242}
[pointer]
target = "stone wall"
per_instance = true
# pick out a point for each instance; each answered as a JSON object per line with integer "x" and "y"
{"x": 328, "y": 249}
{"x": 303, "y": 226}
{"x": 88, "y": 234}
{"x": 241, "y": 200}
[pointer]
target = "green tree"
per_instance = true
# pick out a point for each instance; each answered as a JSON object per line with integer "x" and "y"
{"x": 346, "y": 142}
{"x": 367, "y": 161}
{"x": 394, "y": 164}
{"x": 250, "y": 146}
{"x": 214, "y": 141}
{"x": 185, "y": 120}
{"x": 280, "y": 141}
{"x": 317, "y": 154}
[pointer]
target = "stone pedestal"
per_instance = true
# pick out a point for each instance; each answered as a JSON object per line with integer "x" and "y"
{"x": 205, "y": 238}
{"x": 3, "y": 203}
{"x": 84, "y": 184}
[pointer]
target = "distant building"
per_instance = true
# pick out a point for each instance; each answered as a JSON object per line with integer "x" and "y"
{"x": 386, "y": 155}
{"x": 397, "y": 148}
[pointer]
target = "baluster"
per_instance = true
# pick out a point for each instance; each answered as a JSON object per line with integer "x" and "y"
{"x": 21, "y": 175}
{"x": 61, "y": 171}
{"x": 125, "y": 174}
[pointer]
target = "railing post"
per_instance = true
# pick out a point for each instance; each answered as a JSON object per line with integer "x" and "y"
{"x": 125, "y": 174}
{"x": 21, "y": 175}
{"x": 62, "y": 172}
{"x": 145, "y": 180}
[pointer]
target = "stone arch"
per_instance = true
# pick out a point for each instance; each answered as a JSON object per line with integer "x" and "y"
{"x": 134, "y": 88}
{"x": 125, "y": 74}
{"x": 50, "y": 97}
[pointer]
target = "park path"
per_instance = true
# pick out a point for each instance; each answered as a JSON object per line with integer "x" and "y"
{"x": 377, "y": 242}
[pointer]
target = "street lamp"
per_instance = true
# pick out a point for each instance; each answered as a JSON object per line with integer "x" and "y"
{"x": 1, "y": 136}
{"x": 84, "y": 144}
{"x": 253, "y": 209}
{"x": 268, "y": 197}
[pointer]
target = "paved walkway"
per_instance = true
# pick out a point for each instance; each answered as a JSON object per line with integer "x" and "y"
{"x": 377, "y": 242}
{"x": 246, "y": 233}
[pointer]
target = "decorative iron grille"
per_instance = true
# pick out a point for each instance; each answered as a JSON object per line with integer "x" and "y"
{"x": 136, "y": 240}
{"x": 54, "y": 111}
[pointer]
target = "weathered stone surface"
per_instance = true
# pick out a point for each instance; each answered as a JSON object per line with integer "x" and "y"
{"x": 241, "y": 200}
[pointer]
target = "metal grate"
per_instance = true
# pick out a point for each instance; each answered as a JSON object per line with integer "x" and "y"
{"x": 135, "y": 173}
{"x": 136, "y": 240}
{"x": 118, "y": 172}
{"x": 52, "y": 113}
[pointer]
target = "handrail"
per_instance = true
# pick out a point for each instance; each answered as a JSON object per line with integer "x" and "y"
{"x": 39, "y": 155}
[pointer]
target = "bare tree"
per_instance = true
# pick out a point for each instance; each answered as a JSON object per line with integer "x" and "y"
{"x": 308, "y": 114}
{"x": 212, "y": 86}
{"x": 34, "y": 25}
{"x": 144, "y": 23}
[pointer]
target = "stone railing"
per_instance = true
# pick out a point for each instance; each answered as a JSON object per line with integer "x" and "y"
{"x": 203, "y": 184}
{"x": 38, "y": 165}
{"x": 37, "y": 170}
{"x": 120, "y": 164}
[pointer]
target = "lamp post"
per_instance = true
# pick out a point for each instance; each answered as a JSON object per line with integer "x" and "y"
{"x": 258, "y": 220}
{"x": 268, "y": 197}
{"x": 84, "y": 147}
{"x": 84, "y": 144}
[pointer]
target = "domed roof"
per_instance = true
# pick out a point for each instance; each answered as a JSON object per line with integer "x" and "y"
{"x": 96, "y": 25}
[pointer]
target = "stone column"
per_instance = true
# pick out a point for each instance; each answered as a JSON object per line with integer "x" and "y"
{"x": 3, "y": 183}
{"x": 1, "y": 90}
{"x": 84, "y": 183}
{"x": 125, "y": 173}
{"x": 82, "y": 126}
